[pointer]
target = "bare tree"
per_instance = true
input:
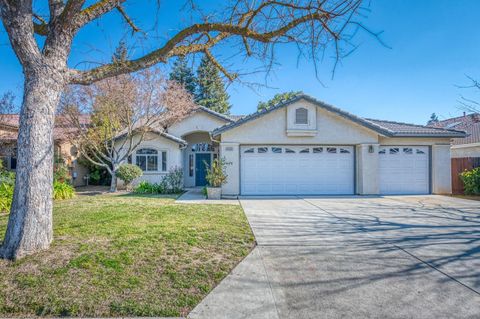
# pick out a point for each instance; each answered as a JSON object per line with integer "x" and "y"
{"x": 467, "y": 103}
{"x": 106, "y": 121}
{"x": 42, "y": 42}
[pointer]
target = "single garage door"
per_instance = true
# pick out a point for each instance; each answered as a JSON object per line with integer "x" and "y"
{"x": 404, "y": 170}
{"x": 297, "y": 170}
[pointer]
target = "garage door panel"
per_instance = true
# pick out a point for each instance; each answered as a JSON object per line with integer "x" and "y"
{"x": 309, "y": 172}
{"x": 404, "y": 170}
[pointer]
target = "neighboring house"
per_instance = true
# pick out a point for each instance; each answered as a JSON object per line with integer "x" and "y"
{"x": 63, "y": 149}
{"x": 303, "y": 147}
{"x": 468, "y": 146}
{"x": 465, "y": 151}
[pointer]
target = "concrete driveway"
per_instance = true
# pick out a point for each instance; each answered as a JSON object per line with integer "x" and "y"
{"x": 357, "y": 257}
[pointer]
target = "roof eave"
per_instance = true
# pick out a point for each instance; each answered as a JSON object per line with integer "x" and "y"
{"x": 163, "y": 134}
{"x": 428, "y": 135}
{"x": 372, "y": 126}
{"x": 219, "y": 115}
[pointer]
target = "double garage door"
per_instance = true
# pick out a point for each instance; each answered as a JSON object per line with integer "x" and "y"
{"x": 302, "y": 170}
{"x": 328, "y": 170}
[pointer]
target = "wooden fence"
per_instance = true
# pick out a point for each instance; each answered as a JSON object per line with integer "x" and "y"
{"x": 459, "y": 165}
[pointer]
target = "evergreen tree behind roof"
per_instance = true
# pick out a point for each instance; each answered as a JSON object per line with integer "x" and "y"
{"x": 211, "y": 88}
{"x": 183, "y": 74}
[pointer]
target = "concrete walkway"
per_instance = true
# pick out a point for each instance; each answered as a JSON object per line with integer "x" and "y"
{"x": 396, "y": 257}
{"x": 195, "y": 196}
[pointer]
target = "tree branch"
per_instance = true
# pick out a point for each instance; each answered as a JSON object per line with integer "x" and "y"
{"x": 96, "y": 10}
{"x": 214, "y": 61}
{"x": 127, "y": 19}
{"x": 168, "y": 50}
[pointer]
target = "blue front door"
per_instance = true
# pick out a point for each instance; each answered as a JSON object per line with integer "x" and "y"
{"x": 202, "y": 161}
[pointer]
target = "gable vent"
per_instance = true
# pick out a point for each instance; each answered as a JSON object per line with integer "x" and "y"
{"x": 301, "y": 116}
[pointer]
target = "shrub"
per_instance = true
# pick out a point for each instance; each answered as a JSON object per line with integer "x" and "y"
{"x": 6, "y": 197}
{"x": 471, "y": 181}
{"x": 170, "y": 184}
{"x": 216, "y": 175}
{"x": 63, "y": 190}
{"x": 61, "y": 172}
{"x": 7, "y": 183}
{"x": 145, "y": 187}
{"x": 174, "y": 180}
{"x": 128, "y": 172}
{"x": 95, "y": 176}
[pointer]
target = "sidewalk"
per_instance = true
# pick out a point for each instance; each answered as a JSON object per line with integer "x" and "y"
{"x": 195, "y": 196}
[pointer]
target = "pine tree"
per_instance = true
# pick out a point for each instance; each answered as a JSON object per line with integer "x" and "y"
{"x": 433, "y": 119}
{"x": 211, "y": 88}
{"x": 278, "y": 98}
{"x": 183, "y": 74}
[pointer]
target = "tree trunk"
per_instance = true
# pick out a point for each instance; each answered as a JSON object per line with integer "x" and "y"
{"x": 113, "y": 184}
{"x": 30, "y": 223}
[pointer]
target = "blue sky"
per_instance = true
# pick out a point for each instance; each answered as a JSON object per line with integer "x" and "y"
{"x": 434, "y": 44}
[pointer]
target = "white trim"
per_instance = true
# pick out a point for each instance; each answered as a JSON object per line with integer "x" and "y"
{"x": 299, "y": 132}
{"x": 466, "y": 145}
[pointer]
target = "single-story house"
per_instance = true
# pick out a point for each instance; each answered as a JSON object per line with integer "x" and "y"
{"x": 303, "y": 147}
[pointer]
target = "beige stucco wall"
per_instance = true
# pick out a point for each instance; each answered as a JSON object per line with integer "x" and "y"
{"x": 159, "y": 143}
{"x": 467, "y": 150}
{"x": 198, "y": 121}
{"x": 271, "y": 129}
{"x": 71, "y": 156}
{"x": 441, "y": 169}
{"x": 231, "y": 153}
{"x": 367, "y": 169}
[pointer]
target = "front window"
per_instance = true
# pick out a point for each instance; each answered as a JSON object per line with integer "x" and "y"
{"x": 301, "y": 116}
{"x": 147, "y": 159}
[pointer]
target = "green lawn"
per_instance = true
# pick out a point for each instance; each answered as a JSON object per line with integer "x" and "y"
{"x": 126, "y": 256}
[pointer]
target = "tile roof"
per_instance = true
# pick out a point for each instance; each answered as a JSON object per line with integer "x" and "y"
{"x": 10, "y": 123}
{"x": 226, "y": 117}
{"x": 387, "y": 128}
{"x": 236, "y": 117}
{"x": 407, "y": 129}
{"x": 470, "y": 123}
{"x": 61, "y": 131}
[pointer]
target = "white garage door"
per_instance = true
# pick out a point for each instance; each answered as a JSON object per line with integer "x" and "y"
{"x": 301, "y": 170}
{"x": 404, "y": 170}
